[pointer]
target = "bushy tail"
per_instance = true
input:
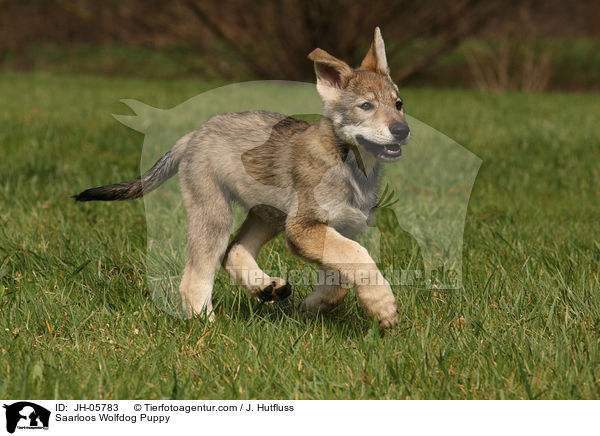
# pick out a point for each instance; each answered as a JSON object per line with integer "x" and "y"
{"x": 166, "y": 167}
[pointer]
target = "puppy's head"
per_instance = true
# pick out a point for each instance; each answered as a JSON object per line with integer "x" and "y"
{"x": 363, "y": 103}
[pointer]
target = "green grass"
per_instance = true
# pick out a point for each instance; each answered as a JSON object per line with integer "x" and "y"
{"x": 77, "y": 320}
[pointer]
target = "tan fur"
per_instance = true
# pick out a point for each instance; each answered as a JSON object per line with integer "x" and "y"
{"x": 240, "y": 259}
{"x": 376, "y": 60}
{"x": 323, "y": 244}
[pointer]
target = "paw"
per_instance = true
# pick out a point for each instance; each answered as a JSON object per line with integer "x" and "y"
{"x": 379, "y": 302}
{"x": 310, "y": 306}
{"x": 389, "y": 322}
{"x": 387, "y": 314}
{"x": 200, "y": 312}
{"x": 273, "y": 292}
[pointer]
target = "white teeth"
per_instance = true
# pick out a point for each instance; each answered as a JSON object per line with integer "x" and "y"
{"x": 393, "y": 148}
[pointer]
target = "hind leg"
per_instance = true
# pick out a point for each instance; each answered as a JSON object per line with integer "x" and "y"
{"x": 326, "y": 295}
{"x": 209, "y": 227}
{"x": 240, "y": 260}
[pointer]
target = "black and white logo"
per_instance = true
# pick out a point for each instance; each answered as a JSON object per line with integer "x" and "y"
{"x": 26, "y": 415}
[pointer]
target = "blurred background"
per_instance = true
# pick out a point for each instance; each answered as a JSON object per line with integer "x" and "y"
{"x": 493, "y": 45}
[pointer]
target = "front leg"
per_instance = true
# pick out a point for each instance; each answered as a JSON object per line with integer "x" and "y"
{"x": 323, "y": 244}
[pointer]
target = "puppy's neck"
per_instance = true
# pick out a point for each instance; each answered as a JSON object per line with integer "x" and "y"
{"x": 365, "y": 161}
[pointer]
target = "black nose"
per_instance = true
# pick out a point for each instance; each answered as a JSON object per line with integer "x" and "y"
{"x": 399, "y": 130}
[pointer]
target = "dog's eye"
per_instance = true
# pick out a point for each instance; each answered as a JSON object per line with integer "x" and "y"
{"x": 399, "y": 105}
{"x": 366, "y": 106}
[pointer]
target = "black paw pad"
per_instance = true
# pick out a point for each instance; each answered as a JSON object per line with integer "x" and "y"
{"x": 266, "y": 294}
{"x": 270, "y": 293}
{"x": 283, "y": 292}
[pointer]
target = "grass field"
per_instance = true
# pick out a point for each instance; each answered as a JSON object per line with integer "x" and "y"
{"x": 77, "y": 320}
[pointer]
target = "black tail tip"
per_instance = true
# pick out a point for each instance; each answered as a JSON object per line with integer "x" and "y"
{"x": 120, "y": 191}
{"x": 93, "y": 194}
{"x": 81, "y": 197}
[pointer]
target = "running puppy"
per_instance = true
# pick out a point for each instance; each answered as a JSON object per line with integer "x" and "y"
{"x": 328, "y": 171}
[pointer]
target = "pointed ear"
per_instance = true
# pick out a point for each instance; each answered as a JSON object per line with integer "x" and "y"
{"x": 375, "y": 60}
{"x": 332, "y": 73}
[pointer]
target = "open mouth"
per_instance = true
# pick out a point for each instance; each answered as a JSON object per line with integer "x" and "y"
{"x": 385, "y": 152}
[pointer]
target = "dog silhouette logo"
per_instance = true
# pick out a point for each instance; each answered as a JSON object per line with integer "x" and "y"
{"x": 425, "y": 194}
{"x": 26, "y": 415}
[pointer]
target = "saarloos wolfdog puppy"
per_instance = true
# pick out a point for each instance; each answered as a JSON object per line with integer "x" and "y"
{"x": 332, "y": 168}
